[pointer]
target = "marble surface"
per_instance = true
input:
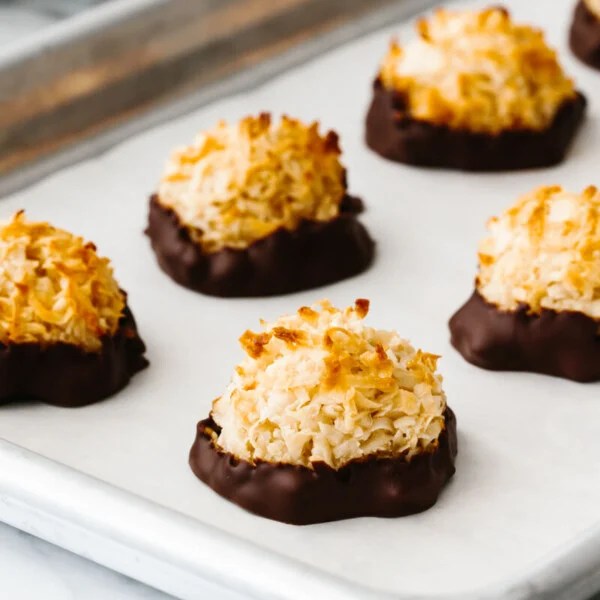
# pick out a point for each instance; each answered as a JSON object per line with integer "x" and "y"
{"x": 31, "y": 568}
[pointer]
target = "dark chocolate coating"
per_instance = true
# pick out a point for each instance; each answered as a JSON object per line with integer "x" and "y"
{"x": 314, "y": 254}
{"x": 393, "y": 134}
{"x": 378, "y": 487}
{"x": 565, "y": 344}
{"x": 584, "y": 37}
{"x": 66, "y": 375}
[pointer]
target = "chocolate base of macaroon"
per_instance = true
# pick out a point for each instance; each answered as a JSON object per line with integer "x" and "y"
{"x": 379, "y": 487}
{"x": 584, "y": 37}
{"x": 314, "y": 254}
{"x": 393, "y": 134}
{"x": 564, "y": 344}
{"x": 66, "y": 375}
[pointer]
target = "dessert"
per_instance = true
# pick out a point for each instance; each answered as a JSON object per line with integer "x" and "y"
{"x": 584, "y": 37}
{"x": 327, "y": 419}
{"x": 475, "y": 91}
{"x": 67, "y": 336}
{"x": 536, "y": 304}
{"x": 258, "y": 209}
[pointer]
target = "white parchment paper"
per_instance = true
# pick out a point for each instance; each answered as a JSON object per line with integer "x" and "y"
{"x": 527, "y": 478}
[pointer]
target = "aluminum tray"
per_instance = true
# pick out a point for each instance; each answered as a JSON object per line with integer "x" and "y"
{"x": 111, "y": 481}
{"x": 119, "y": 62}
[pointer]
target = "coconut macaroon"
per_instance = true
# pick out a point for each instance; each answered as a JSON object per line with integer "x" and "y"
{"x": 544, "y": 252}
{"x": 536, "y": 304}
{"x": 255, "y": 197}
{"x": 584, "y": 36}
{"x": 320, "y": 386}
{"x": 236, "y": 184}
{"x": 54, "y": 287}
{"x": 64, "y": 321}
{"x": 478, "y": 70}
{"x": 470, "y": 76}
{"x": 321, "y": 393}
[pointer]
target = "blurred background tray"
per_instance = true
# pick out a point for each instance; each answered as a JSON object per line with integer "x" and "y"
{"x": 73, "y": 79}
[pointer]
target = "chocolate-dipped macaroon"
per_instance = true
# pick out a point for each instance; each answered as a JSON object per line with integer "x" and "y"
{"x": 67, "y": 336}
{"x": 475, "y": 91}
{"x": 328, "y": 419}
{"x": 584, "y": 37}
{"x": 257, "y": 209}
{"x": 536, "y": 304}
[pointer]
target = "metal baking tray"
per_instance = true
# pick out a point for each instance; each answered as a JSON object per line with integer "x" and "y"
{"x": 111, "y": 482}
{"x": 121, "y": 62}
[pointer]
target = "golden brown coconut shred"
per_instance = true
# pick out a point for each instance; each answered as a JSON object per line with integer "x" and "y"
{"x": 239, "y": 183}
{"x": 544, "y": 252}
{"x": 54, "y": 287}
{"x": 478, "y": 70}
{"x": 320, "y": 385}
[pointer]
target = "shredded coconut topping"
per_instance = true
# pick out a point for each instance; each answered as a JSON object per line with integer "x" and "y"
{"x": 54, "y": 287}
{"x": 237, "y": 184}
{"x": 594, "y": 6}
{"x": 544, "y": 252}
{"x": 320, "y": 386}
{"x": 478, "y": 70}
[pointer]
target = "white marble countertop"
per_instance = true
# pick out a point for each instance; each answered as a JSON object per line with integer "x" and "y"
{"x": 31, "y": 568}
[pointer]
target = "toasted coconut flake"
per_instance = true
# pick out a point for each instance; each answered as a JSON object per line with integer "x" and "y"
{"x": 54, "y": 287}
{"x": 544, "y": 252}
{"x": 237, "y": 184}
{"x": 594, "y": 6}
{"x": 333, "y": 391}
{"x": 478, "y": 70}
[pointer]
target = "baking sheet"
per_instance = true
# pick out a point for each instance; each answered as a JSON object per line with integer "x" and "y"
{"x": 527, "y": 482}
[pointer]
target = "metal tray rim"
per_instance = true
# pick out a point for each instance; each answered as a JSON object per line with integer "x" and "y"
{"x": 571, "y": 572}
{"x": 75, "y": 27}
{"x": 63, "y": 33}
